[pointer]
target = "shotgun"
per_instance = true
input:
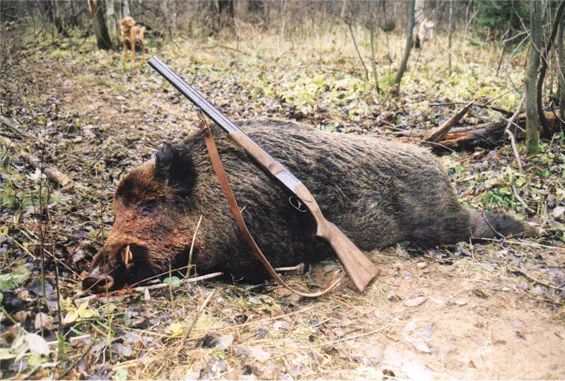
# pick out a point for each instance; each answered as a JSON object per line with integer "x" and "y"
{"x": 359, "y": 268}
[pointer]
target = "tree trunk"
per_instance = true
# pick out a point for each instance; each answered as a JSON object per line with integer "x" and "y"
{"x": 372, "y": 22}
{"x": 407, "y": 48}
{"x": 544, "y": 63}
{"x": 98, "y": 13}
{"x": 561, "y": 73}
{"x": 113, "y": 29}
{"x": 165, "y": 12}
{"x": 125, "y": 8}
{"x": 256, "y": 10}
{"x": 54, "y": 15}
{"x": 533, "y": 120}
{"x": 449, "y": 43}
{"x": 418, "y": 11}
{"x": 173, "y": 18}
{"x": 226, "y": 13}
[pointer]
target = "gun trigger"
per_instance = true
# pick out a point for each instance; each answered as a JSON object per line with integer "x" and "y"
{"x": 297, "y": 204}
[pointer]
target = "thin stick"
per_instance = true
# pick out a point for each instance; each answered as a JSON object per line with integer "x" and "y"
{"x": 192, "y": 247}
{"x": 537, "y": 280}
{"x": 13, "y": 127}
{"x": 197, "y": 316}
{"x": 71, "y": 367}
{"x": 531, "y": 244}
{"x": 142, "y": 290}
{"x": 297, "y": 268}
{"x": 511, "y": 135}
{"x": 520, "y": 199}
{"x": 357, "y": 50}
{"x": 514, "y": 149}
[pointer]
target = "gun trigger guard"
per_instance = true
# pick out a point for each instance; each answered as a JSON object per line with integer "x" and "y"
{"x": 297, "y": 204}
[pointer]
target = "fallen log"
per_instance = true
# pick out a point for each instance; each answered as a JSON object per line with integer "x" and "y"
{"x": 491, "y": 134}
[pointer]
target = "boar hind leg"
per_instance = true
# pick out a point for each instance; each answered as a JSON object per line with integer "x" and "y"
{"x": 490, "y": 225}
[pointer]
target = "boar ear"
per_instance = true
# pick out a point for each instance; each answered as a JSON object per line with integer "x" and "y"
{"x": 173, "y": 166}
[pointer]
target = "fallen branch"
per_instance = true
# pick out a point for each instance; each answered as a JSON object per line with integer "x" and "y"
{"x": 143, "y": 289}
{"x": 348, "y": 22}
{"x": 491, "y": 134}
{"x": 12, "y": 126}
{"x": 479, "y": 105}
{"x": 439, "y": 133}
{"x": 536, "y": 280}
{"x": 52, "y": 173}
{"x": 195, "y": 319}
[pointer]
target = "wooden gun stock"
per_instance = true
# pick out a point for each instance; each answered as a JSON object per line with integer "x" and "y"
{"x": 359, "y": 268}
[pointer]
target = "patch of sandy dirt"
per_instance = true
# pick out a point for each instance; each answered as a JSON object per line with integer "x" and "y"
{"x": 470, "y": 324}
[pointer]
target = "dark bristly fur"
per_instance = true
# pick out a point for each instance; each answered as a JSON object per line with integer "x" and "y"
{"x": 379, "y": 192}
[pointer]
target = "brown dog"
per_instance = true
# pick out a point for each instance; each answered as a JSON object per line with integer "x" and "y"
{"x": 131, "y": 34}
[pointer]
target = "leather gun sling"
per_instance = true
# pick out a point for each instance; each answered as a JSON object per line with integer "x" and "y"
{"x": 226, "y": 188}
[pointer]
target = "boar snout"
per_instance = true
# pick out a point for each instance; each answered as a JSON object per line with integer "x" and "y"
{"x": 117, "y": 264}
{"x": 97, "y": 282}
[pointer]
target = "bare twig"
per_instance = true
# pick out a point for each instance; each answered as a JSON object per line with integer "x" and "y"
{"x": 192, "y": 247}
{"x": 557, "y": 249}
{"x": 480, "y": 105}
{"x": 297, "y": 268}
{"x": 537, "y": 280}
{"x": 12, "y": 126}
{"x": 520, "y": 199}
{"x": 511, "y": 135}
{"x": 514, "y": 37}
{"x": 196, "y": 317}
{"x": 373, "y": 60}
{"x": 72, "y": 366}
{"x": 357, "y": 50}
{"x": 143, "y": 290}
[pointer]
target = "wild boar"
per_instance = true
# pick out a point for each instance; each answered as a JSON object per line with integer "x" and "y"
{"x": 379, "y": 192}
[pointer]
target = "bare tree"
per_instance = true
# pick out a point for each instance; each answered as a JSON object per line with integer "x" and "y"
{"x": 168, "y": 9}
{"x": 112, "y": 19}
{"x": 226, "y": 13}
{"x": 450, "y": 37}
{"x": 561, "y": 72}
{"x": 532, "y": 116}
{"x": 372, "y": 23}
{"x": 125, "y": 8}
{"x": 98, "y": 14}
{"x": 544, "y": 63}
{"x": 54, "y": 14}
{"x": 410, "y": 10}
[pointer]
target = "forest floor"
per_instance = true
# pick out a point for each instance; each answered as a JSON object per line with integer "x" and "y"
{"x": 477, "y": 311}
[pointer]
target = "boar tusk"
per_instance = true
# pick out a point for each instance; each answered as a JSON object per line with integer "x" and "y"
{"x": 128, "y": 256}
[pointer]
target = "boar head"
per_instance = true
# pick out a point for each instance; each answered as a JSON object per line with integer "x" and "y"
{"x": 152, "y": 229}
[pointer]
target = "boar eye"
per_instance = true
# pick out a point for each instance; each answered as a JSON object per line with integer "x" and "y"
{"x": 146, "y": 207}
